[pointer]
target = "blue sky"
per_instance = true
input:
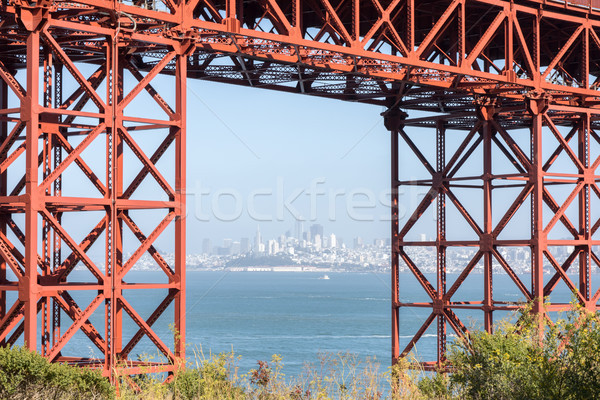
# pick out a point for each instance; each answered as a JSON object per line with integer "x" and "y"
{"x": 244, "y": 143}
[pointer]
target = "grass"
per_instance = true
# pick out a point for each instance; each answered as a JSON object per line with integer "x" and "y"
{"x": 27, "y": 375}
{"x": 334, "y": 376}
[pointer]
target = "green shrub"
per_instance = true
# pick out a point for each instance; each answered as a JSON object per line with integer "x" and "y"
{"x": 559, "y": 360}
{"x": 578, "y": 362}
{"x": 503, "y": 365}
{"x": 27, "y": 375}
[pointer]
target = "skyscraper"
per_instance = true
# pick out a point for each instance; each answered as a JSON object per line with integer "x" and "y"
{"x": 358, "y": 242}
{"x": 316, "y": 229}
{"x": 318, "y": 243}
{"x": 306, "y": 236}
{"x": 257, "y": 240}
{"x": 206, "y": 246}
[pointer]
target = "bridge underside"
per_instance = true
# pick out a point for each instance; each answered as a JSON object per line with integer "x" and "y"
{"x": 485, "y": 96}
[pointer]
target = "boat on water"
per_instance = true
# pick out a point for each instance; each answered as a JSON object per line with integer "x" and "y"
{"x": 324, "y": 277}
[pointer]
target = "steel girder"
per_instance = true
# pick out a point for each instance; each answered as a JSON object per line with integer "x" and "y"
{"x": 427, "y": 55}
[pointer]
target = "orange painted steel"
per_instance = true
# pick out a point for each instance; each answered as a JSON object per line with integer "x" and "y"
{"x": 491, "y": 69}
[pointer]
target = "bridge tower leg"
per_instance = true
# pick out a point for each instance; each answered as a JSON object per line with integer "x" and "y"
{"x": 541, "y": 152}
{"x": 70, "y": 194}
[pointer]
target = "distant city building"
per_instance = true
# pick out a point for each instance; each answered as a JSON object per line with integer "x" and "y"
{"x": 258, "y": 241}
{"x": 273, "y": 247}
{"x": 318, "y": 244}
{"x": 316, "y": 229}
{"x": 206, "y": 246}
{"x": 332, "y": 241}
{"x": 358, "y": 242}
{"x": 365, "y": 256}
{"x": 306, "y": 236}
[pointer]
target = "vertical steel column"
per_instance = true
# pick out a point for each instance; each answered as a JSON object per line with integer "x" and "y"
{"x": 117, "y": 193}
{"x": 537, "y": 105}
{"x": 180, "y": 200}
{"x": 410, "y": 24}
{"x": 109, "y": 257}
{"x": 394, "y": 121}
{"x": 355, "y": 31}
{"x": 584, "y": 211}
{"x": 395, "y": 258}
{"x": 28, "y": 292}
{"x": 47, "y": 138}
{"x": 486, "y": 113}
{"x": 57, "y": 191}
{"x": 3, "y": 192}
{"x": 438, "y": 181}
{"x": 114, "y": 171}
{"x": 232, "y": 19}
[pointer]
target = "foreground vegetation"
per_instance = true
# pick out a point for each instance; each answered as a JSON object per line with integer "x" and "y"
{"x": 562, "y": 361}
{"x": 27, "y": 375}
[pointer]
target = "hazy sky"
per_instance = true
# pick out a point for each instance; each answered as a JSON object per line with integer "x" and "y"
{"x": 264, "y": 157}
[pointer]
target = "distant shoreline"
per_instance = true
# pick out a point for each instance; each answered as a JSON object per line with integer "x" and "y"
{"x": 304, "y": 268}
{"x": 283, "y": 268}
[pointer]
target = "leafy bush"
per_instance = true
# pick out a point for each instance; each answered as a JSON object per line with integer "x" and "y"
{"x": 559, "y": 360}
{"x": 27, "y": 375}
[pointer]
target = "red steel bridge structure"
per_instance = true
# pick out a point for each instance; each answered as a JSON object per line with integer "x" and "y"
{"x": 501, "y": 97}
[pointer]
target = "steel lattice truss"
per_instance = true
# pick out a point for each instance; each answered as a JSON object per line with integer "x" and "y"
{"x": 490, "y": 69}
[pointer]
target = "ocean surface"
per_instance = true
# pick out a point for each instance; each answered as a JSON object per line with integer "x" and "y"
{"x": 294, "y": 314}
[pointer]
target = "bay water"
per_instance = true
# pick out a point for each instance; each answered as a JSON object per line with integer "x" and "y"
{"x": 298, "y": 315}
